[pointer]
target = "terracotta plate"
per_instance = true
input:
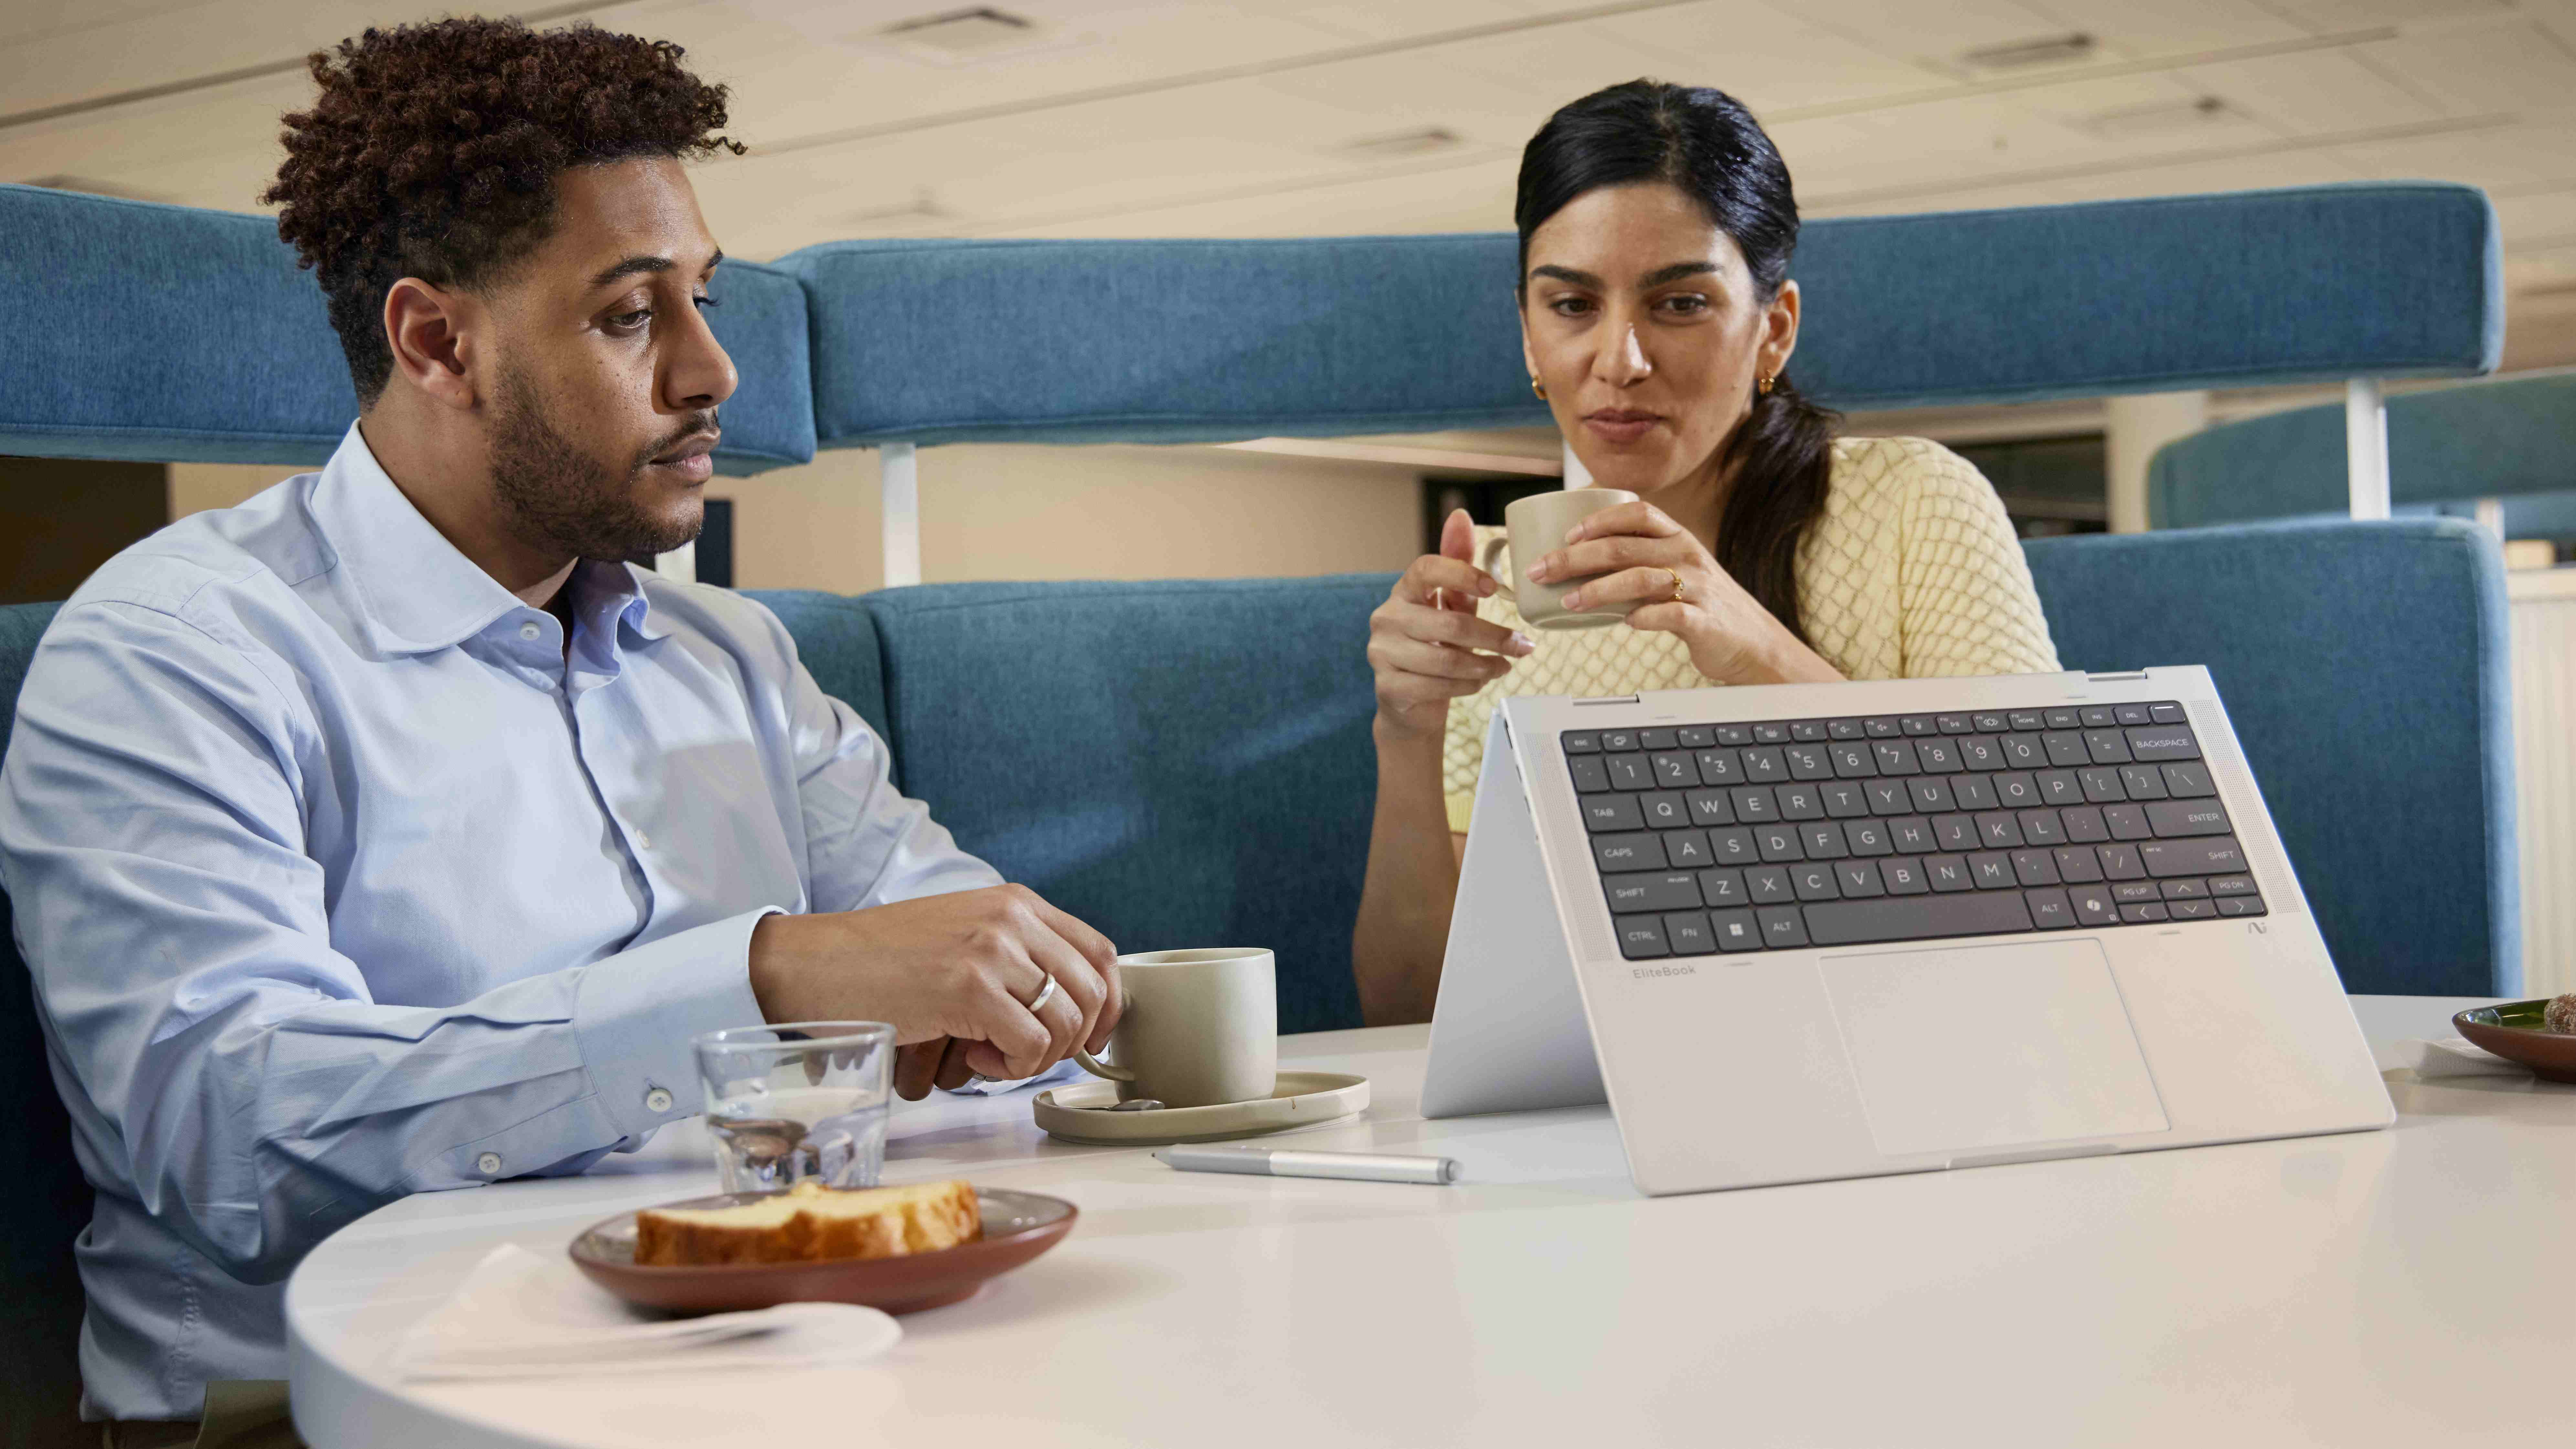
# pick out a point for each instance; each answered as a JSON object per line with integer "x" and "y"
{"x": 1017, "y": 1227}
{"x": 2513, "y": 1031}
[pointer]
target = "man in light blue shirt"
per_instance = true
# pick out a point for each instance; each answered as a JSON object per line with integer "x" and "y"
{"x": 385, "y": 834}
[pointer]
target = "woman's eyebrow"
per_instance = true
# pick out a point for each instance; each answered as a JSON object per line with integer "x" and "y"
{"x": 1675, "y": 273}
{"x": 1568, "y": 274}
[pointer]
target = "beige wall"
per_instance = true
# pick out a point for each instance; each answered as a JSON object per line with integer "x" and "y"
{"x": 1011, "y": 512}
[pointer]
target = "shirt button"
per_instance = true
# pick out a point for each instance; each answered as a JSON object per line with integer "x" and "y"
{"x": 529, "y": 631}
{"x": 489, "y": 1164}
{"x": 658, "y": 1100}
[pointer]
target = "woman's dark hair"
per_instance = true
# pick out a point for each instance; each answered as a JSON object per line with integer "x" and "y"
{"x": 1704, "y": 142}
{"x": 432, "y": 152}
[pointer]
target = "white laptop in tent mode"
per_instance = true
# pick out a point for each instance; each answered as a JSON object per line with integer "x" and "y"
{"x": 1800, "y": 932}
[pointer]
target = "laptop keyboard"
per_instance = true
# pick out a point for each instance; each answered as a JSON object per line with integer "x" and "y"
{"x": 1837, "y": 832}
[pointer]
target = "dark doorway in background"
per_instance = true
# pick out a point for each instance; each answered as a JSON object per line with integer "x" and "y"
{"x": 60, "y": 518}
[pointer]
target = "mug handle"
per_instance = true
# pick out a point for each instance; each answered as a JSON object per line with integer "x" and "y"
{"x": 1486, "y": 556}
{"x": 1099, "y": 1068}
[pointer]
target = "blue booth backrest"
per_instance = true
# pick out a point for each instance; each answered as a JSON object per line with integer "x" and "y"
{"x": 2362, "y": 665}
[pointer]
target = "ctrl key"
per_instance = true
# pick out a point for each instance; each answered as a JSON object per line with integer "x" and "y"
{"x": 1641, "y": 937}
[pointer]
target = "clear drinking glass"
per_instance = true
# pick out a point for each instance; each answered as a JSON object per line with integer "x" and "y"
{"x": 799, "y": 1100}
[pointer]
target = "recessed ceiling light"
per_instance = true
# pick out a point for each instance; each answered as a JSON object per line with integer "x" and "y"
{"x": 1402, "y": 145}
{"x": 2038, "y": 50}
{"x": 2162, "y": 118}
{"x": 963, "y": 35}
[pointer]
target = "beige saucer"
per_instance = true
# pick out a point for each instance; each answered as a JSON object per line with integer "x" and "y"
{"x": 1301, "y": 1099}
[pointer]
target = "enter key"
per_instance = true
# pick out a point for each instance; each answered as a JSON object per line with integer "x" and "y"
{"x": 2170, "y": 818}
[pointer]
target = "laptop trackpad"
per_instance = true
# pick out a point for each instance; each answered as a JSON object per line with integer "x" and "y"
{"x": 1992, "y": 1046}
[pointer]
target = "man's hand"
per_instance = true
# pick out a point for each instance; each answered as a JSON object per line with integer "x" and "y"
{"x": 961, "y": 966}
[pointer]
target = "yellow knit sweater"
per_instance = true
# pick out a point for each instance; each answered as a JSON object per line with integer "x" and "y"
{"x": 1911, "y": 572}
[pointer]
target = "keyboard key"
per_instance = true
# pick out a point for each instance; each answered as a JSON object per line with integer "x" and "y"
{"x": 1689, "y": 935}
{"x": 1612, "y": 812}
{"x": 1778, "y": 842}
{"x": 2133, "y": 714}
{"x": 2127, "y": 822}
{"x": 1815, "y": 882}
{"x": 1782, "y": 926}
{"x": 1869, "y": 837}
{"x": 1664, "y": 809}
{"x": 1675, "y": 767}
{"x": 1736, "y": 930}
{"x": 2066, "y": 748}
{"x": 2041, "y": 827}
{"x": 1998, "y": 830}
{"x": 1616, "y": 740}
{"x": 1823, "y": 841}
{"x": 1938, "y": 757}
{"x": 2059, "y": 787}
{"x": 1800, "y": 802}
{"x": 1730, "y": 735}
{"x": 2024, "y": 719}
{"x": 1896, "y": 757}
{"x": 1978, "y": 752}
{"x": 1949, "y": 873}
{"x": 1641, "y": 938}
{"x": 2142, "y": 782}
{"x": 1931, "y": 796}
{"x": 2189, "y": 817}
{"x": 2101, "y": 787}
{"x": 1720, "y": 767}
{"x": 1642, "y": 851}
{"x": 1992, "y": 724}
{"x": 1697, "y": 738}
{"x": 2093, "y": 907}
{"x": 1763, "y": 765}
{"x": 1652, "y": 891}
{"x": 2035, "y": 867}
{"x": 2098, "y": 717}
{"x": 2049, "y": 910}
{"x": 1842, "y": 729}
{"x": 1709, "y": 807}
{"x": 2015, "y": 789}
{"x": 2063, "y": 719}
{"x": 2023, "y": 752}
{"x": 1843, "y": 799}
{"x": 2108, "y": 747}
{"x": 2134, "y": 892}
{"x": 2163, "y": 742}
{"x": 2187, "y": 888}
{"x": 1733, "y": 847}
{"x": 2216, "y": 855}
{"x": 1770, "y": 734}
{"x": 2084, "y": 824}
{"x": 1769, "y": 885}
{"x": 1911, "y": 835}
{"x": 1754, "y": 804}
{"x": 2077, "y": 865}
{"x": 1630, "y": 772}
{"x": 2187, "y": 781}
{"x": 1809, "y": 762}
{"x": 1884, "y": 727}
{"x": 2120, "y": 862}
{"x": 2239, "y": 905}
{"x": 1951, "y": 724}
{"x": 1687, "y": 849}
{"x": 1904, "y": 877}
{"x": 2231, "y": 885}
{"x": 1973, "y": 792}
{"x": 2192, "y": 910}
{"x": 1590, "y": 775}
{"x": 1888, "y": 797}
{"x": 2165, "y": 713}
{"x": 1993, "y": 870}
{"x": 1854, "y": 761}
{"x": 1954, "y": 832}
{"x": 1656, "y": 740}
{"x": 2142, "y": 915}
{"x": 1915, "y": 724}
{"x": 1722, "y": 887}
{"x": 1580, "y": 742}
{"x": 1859, "y": 879}
{"x": 1808, "y": 730}
{"x": 1916, "y": 918}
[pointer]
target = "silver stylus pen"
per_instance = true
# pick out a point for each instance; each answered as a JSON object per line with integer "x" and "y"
{"x": 1358, "y": 1166}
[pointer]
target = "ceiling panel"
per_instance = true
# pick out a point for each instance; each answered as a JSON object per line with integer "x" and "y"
{"x": 2332, "y": 15}
{"x": 1910, "y": 30}
{"x": 2540, "y": 218}
{"x": 2466, "y": 69}
{"x": 2311, "y": 92}
{"x": 1469, "y": 198}
{"x": 2169, "y": 27}
{"x": 29, "y": 19}
{"x": 1765, "y": 58}
{"x": 2503, "y": 156}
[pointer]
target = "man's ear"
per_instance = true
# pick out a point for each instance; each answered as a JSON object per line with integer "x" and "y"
{"x": 430, "y": 330}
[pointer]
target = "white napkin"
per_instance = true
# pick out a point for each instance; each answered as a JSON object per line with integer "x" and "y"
{"x": 2455, "y": 1057}
{"x": 1067, "y": 1070}
{"x": 519, "y": 1315}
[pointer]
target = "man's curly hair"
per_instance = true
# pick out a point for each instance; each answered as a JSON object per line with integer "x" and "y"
{"x": 433, "y": 150}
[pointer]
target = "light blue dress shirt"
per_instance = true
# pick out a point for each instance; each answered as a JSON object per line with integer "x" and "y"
{"x": 340, "y": 881}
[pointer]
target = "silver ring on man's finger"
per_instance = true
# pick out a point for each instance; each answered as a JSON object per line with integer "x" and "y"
{"x": 1043, "y": 997}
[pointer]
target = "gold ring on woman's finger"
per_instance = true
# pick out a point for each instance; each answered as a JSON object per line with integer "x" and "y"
{"x": 1677, "y": 584}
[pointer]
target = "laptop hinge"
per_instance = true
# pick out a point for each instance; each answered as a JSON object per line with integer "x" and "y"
{"x": 1613, "y": 699}
{"x": 2117, "y": 677}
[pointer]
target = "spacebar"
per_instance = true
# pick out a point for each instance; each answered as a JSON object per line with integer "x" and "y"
{"x": 1986, "y": 913}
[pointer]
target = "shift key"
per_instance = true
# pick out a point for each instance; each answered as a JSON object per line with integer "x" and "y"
{"x": 2214, "y": 855}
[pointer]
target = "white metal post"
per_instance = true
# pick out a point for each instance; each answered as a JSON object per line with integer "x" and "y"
{"x": 2133, "y": 428}
{"x": 2491, "y": 515}
{"x": 899, "y": 511}
{"x": 2365, "y": 446}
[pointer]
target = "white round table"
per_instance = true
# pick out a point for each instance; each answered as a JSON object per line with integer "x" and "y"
{"x": 2406, "y": 1287}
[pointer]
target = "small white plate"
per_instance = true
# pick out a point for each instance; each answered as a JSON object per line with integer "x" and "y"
{"x": 1299, "y": 1099}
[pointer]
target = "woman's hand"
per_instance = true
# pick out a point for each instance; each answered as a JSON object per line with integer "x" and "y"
{"x": 1425, "y": 640}
{"x": 1641, "y": 555}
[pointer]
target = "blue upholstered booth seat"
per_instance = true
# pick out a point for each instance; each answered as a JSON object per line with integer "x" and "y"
{"x": 169, "y": 333}
{"x": 1178, "y": 341}
{"x": 2509, "y": 437}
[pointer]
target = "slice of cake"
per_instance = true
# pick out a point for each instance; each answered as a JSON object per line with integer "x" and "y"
{"x": 809, "y": 1222}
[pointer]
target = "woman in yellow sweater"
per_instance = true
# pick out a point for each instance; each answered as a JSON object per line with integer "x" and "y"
{"x": 1657, "y": 320}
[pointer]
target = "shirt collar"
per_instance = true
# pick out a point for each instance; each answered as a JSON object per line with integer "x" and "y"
{"x": 413, "y": 590}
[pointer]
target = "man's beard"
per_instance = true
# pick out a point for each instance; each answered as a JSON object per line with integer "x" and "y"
{"x": 557, "y": 496}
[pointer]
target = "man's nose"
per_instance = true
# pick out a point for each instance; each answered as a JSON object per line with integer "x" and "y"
{"x": 696, "y": 371}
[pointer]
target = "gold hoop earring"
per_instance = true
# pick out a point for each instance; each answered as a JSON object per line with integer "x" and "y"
{"x": 1539, "y": 388}
{"x": 1763, "y": 386}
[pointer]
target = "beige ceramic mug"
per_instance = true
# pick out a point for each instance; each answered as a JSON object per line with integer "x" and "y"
{"x": 1537, "y": 525}
{"x": 1201, "y": 1028}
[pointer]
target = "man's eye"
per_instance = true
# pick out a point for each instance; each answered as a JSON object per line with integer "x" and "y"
{"x": 629, "y": 321}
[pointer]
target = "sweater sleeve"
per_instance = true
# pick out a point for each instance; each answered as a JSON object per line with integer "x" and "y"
{"x": 1967, "y": 605}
